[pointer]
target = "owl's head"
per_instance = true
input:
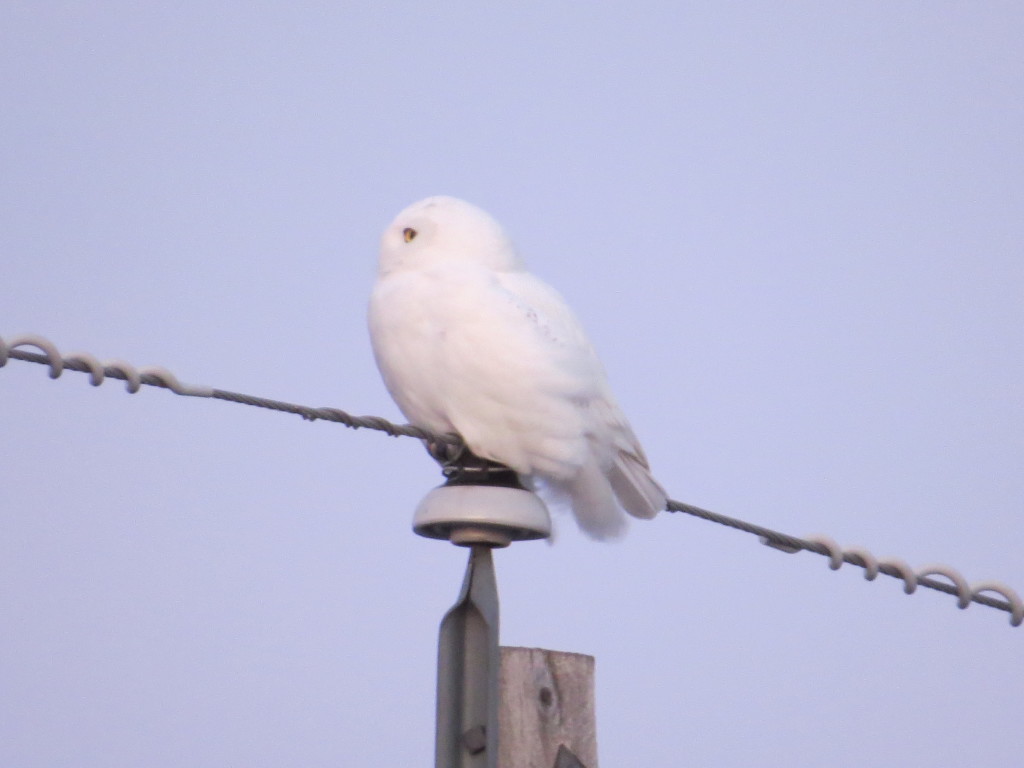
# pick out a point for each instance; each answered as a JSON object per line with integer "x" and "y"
{"x": 442, "y": 230}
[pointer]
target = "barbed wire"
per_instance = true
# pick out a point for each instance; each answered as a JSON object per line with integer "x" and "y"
{"x": 820, "y": 545}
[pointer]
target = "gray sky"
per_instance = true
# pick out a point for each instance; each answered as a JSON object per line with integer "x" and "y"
{"x": 793, "y": 230}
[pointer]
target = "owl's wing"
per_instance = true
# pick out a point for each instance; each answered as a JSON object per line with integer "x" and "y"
{"x": 554, "y": 323}
{"x": 615, "y": 450}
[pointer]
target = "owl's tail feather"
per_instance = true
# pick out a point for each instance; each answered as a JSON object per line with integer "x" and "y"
{"x": 593, "y": 503}
{"x": 637, "y": 491}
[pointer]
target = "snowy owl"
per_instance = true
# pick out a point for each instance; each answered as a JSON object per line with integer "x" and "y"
{"x": 468, "y": 341}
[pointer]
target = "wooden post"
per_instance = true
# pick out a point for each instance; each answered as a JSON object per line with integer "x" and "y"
{"x": 546, "y": 711}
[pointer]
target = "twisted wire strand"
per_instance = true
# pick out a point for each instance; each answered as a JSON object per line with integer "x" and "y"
{"x": 822, "y": 545}
{"x": 784, "y": 542}
{"x": 161, "y": 377}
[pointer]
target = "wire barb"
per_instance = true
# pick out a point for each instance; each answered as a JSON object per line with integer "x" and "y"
{"x": 820, "y": 545}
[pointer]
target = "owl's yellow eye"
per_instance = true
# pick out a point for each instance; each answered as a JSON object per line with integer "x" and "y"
{"x": 409, "y": 234}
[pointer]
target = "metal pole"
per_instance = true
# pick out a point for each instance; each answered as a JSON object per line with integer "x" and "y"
{"x": 482, "y": 505}
{"x": 467, "y": 671}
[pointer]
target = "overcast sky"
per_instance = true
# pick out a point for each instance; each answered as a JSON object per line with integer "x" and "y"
{"x": 794, "y": 231}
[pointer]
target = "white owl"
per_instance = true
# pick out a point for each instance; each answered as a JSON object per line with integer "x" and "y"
{"x": 470, "y": 342}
